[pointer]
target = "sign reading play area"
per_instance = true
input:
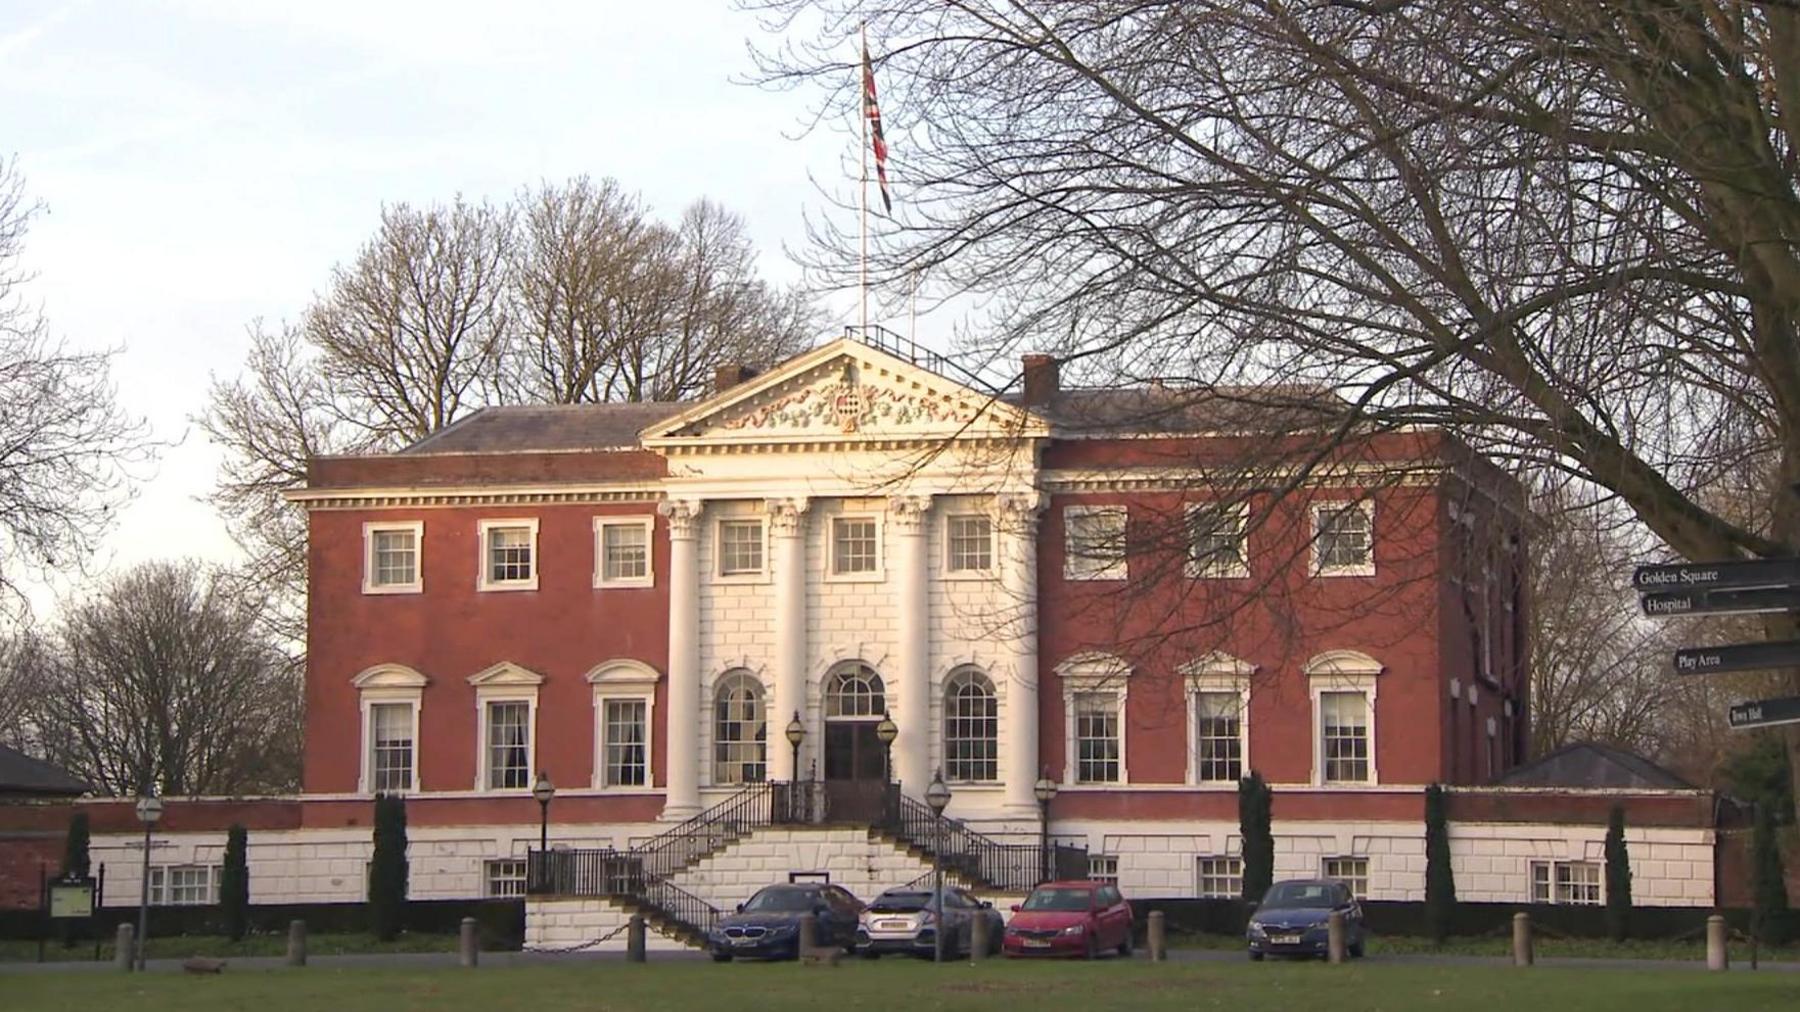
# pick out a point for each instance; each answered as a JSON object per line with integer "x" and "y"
{"x": 1765, "y": 713}
{"x": 1739, "y": 657}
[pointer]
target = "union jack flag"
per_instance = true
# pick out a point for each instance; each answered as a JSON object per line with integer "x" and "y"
{"x": 873, "y": 111}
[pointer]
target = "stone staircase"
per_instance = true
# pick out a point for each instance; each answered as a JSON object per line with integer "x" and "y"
{"x": 683, "y": 879}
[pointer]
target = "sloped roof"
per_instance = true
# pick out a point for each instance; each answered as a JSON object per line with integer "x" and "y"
{"x": 1593, "y": 765}
{"x": 548, "y": 427}
{"x": 1155, "y": 409}
{"x": 21, "y": 774}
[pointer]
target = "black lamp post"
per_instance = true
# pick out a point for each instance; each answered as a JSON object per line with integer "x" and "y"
{"x": 938, "y": 797}
{"x": 543, "y": 791}
{"x": 1045, "y": 791}
{"x": 149, "y": 811}
{"x": 796, "y": 733}
{"x": 887, "y": 731}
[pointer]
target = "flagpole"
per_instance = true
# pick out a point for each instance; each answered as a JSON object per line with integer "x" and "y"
{"x": 862, "y": 88}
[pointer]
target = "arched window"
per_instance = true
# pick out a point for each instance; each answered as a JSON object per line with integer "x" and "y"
{"x": 740, "y": 730}
{"x": 971, "y": 727}
{"x": 856, "y": 691}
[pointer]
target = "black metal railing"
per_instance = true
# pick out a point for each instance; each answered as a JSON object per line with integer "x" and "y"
{"x": 682, "y": 909}
{"x": 978, "y": 859}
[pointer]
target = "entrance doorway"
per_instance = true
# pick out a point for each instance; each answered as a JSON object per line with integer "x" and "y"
{"x": 855, "y": 759}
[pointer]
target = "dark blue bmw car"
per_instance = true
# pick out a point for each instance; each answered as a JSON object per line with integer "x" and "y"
{"x": 767, "y": 925}
{"x": 1291, "y": 919}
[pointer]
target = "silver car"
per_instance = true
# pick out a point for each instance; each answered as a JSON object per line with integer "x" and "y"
{"x": 905, "y": 921}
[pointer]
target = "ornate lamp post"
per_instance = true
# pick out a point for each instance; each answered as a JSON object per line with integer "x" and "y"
{"x": 887, "y": 731}
{"x": 1045, "y": 791}
{"x": 796, "y": 733}
{"x": 149, "y": 811}
{"x": 938, "y": 797}
{"x": 543, "y": 791}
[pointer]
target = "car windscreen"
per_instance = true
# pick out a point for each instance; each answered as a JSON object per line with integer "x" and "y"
{"x": 781, "y": 901}
{"x": 1290, "y": 895}
{"x": 900, "y": 902}
{"x": 1059, "y": 899}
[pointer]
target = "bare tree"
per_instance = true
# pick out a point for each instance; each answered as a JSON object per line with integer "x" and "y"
{"x": 572, "y": 294}
{"x": 15, "y": 692}
{"x": 1563, "y": 229}
{"x": 165, "y": 678}
{"x": 67, "y": 450}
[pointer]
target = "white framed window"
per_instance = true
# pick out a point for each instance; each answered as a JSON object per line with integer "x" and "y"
{"x": 1219, "y": 877}
{"x": 508, "y": 555}
{"x": 506, "y": 697}
{"x": 1343, "y": 686}
{"x": 1103, "y": 868}
{"x": 1218, "y": 737}
{"x": 1095, "y": 690}
{"x": 971, "y": 728}
{"x": 1352, "y": 871}
{"x": 855, "y": 546}
{"x": 1097, "y": 751}
{"x": 855, "y": 690}
{"x": 622, "y": 555}
{"x": 392, "y": 727}
{"x": 1218, "y": 712}
{"x": 389, "y": 698}
{"x": 503, "y": 877}
{"x": 1217, "y": 540}
{"x": 740, "y": 730}
{"x": 1344, "y": 741}
{"x": 1343, "y": 541}
{"x": 968, "y": 543}
{"x": 184, "y": 885}
{"x": 393, "y": 558}
{"x": 1094, "y": 543}
{"x": 1576, "y": 882}
{"x": 624, "y": 711}
{"x": 741, "y": 548}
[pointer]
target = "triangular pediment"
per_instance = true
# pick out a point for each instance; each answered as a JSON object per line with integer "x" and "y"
{"x": 506, "y": 673}
{"x": 846, "y": 391}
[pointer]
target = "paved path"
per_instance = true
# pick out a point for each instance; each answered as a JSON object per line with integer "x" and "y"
{"x": 428, "y": 960}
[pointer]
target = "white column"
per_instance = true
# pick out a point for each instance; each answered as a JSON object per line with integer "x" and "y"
{"x": 1018, "y": 579}
{"x": 681, "y": 799}
{"x": 787, "y": 522}
{"x": 909, "y": 559}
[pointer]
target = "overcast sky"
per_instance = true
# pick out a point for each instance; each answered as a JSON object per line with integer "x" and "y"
{"x": 206, "y": 163}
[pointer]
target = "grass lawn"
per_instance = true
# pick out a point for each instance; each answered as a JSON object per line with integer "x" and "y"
{"x": 1545, "y": 948}
{"x": 908, "y": 985}
{"x": 183, "y": 946}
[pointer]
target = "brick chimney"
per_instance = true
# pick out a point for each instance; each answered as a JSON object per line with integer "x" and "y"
{"x": 1041, "y": 380}
{"x": 727, "y": 376}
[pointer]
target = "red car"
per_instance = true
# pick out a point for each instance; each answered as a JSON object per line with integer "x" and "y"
{"x": 1070, "y": 919}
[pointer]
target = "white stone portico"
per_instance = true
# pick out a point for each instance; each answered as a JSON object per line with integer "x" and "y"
{"x": 793, "y": 466}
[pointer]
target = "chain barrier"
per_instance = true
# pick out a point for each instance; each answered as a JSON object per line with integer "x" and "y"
{"x": 580, "y": 946}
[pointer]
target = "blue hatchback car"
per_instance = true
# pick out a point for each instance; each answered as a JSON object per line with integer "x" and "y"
{"x": 1291, "y": 919}
{"x": 767, "y": 925}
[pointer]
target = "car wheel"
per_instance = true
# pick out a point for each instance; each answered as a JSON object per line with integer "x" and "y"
{"x": 1093, "y": 948}
{"x": 721, "y": 957}
{"x": 1125, "y": 945}
{"x": 996, "y": 939}
{"x": 1255, "y": 957}
{"x": 1356, "y": 951}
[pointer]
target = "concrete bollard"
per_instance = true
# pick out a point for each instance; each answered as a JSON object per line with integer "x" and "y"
{"x": 468, "y": 950}
{"x": 1334, "y": 936}
{"x": 979, "y": 939}
{"x": 296, "y": 954}
{"x": 634, "y": 939}
{"x": 1158, "y": 937}
{"x": 809, "y": 933}
{"x": 1717, "y": 956}
{"x": 1522, "y": 954}
{"x": 125, "y": 947}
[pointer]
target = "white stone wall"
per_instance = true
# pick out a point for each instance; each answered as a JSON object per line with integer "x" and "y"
{"x": 567, "y": 923}
{"x": 737, "y": 625}
{"x": 1492, "y": 861}
{"x": 1669, "y": 867}
{"x": 330, "y": 865}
